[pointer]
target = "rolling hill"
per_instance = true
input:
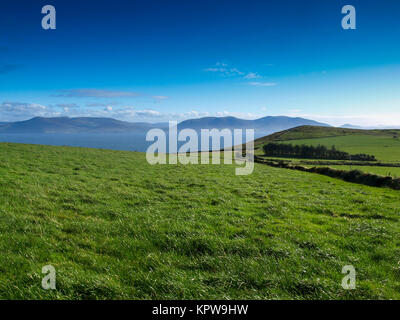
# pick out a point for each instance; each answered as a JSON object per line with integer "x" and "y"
{"x": 312, "y": 132}
{"x": 384, "y": 144}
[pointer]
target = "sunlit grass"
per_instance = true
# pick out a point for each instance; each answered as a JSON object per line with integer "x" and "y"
{"x": 115, "y": 227}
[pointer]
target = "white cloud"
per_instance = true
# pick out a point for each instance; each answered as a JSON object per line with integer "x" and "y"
{"x": 371, "y": 120}
{"x": 241, "y": 115}
{"x": 234, "y": 71}
{"x": 99, "y": 104}
{"x": 192, "y": 114}
{"x": 67, "y": 105}
{"x": 95, "y": 93}
{"x": 262, "y": 84}
{"x": 158, "y": 99}
{"x": 15, "y": 111}
{"x": 252, "y": 75}
{"x": 223, "y": 69}
{"x": 147, "y": 113}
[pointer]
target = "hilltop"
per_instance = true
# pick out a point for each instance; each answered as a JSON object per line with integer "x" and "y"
{"x": 312, "y": 132}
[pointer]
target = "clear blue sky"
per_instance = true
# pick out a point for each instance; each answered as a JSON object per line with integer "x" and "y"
{"x": 160, "y": 60}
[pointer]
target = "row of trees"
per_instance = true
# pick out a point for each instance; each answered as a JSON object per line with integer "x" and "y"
{"x": 311, "y": 152}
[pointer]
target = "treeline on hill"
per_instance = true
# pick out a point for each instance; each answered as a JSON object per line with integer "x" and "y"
{"x": 311, "y": 152}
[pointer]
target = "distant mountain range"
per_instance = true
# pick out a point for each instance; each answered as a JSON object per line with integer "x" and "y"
{"x": 262, "y": 126}
{"x": 76, "y": 125}
{"x": 350, "y": 126}
{"x": 378, "y": 127}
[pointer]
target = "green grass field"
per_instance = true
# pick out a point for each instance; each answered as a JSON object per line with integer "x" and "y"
{"x": 383, "y": 144}
{"x": 115, "y": 227}
{"x": 384, "y": 148}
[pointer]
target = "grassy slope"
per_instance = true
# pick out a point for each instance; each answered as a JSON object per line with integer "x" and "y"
{"x": 116, "y": 227}
{"x": 312, "y": 132}
{"x": 380, "y": 143}
{"x": 384, "y": 148}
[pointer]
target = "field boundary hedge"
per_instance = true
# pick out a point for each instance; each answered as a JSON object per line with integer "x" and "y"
{"x": 337, "y": 163}
{"x": 355, "y": 176}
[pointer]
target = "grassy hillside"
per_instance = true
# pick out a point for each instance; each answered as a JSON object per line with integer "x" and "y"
{"x": 383, "y": 144}
{"x": 384, "y": 148}
{"x": 115, "y": 227}
{"x": 312, "y": 132}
